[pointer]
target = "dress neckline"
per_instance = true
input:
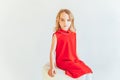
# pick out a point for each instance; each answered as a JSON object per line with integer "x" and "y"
{"x": 64, "y": 31}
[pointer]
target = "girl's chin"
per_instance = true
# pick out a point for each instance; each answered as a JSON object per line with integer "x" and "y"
{"x": 66, "y": 28}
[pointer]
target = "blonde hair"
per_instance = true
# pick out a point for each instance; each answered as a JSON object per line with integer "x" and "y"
{"x": 72, "y": 27}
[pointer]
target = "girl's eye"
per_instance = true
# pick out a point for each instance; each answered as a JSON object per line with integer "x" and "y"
{"x": 62, "y": 19}
{"x": 68, "y": 20}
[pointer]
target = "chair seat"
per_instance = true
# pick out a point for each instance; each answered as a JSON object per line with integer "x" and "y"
{"x": 60, "y": 74}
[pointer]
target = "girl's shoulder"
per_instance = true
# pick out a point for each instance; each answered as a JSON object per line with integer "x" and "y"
{"x": 54, "y": 33}
{"x": 73, "y": 31}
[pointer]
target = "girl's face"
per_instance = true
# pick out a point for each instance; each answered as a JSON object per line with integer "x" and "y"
{"x": 64, "y": 21}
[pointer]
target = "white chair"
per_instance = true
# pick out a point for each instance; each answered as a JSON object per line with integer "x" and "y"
{"x": 60, "y": 74}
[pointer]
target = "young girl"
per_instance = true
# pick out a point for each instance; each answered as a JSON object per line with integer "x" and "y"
{"x": 64, "y": 47}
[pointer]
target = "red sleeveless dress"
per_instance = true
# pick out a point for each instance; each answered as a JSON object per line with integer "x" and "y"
{"x": 66, "y": 56}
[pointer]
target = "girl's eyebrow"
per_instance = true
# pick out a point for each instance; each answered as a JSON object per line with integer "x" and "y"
{"x": 63, "y": 18}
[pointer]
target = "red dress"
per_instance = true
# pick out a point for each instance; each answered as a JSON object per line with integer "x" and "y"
{"x": 66, "y": 56}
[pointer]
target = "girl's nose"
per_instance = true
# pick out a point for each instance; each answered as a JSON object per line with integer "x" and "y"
{"x": 65, "y": 22}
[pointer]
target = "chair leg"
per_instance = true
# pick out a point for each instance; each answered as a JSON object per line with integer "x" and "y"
{"x": 88, "y": 77}
{"x": 85, "y": 77}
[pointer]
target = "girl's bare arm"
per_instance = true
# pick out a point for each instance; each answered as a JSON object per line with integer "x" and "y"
{"x": 51, "y": 71}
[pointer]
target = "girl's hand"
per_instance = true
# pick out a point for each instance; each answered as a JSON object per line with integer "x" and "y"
{"x": 51, "y": 72}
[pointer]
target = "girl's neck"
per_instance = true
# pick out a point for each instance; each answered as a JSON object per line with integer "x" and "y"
{"x": 64, "y": 29}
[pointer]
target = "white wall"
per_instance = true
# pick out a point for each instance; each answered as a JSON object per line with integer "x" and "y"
{"x": 25, "y": 36}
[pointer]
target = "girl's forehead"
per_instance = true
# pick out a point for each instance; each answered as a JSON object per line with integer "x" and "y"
{"x": 64, "y": 15}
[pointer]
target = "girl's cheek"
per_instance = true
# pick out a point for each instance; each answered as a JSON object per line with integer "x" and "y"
{"x": 61, "y": 24}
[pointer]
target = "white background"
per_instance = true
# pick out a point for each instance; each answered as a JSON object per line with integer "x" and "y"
{"x": 26, "y": 30}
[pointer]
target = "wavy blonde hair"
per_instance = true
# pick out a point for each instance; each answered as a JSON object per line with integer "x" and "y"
{"x": 72, "y": 27}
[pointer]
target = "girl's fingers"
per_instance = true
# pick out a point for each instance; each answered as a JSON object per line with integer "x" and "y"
{"x": 50, "y": 73}
{"x": 54, "y": 72}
